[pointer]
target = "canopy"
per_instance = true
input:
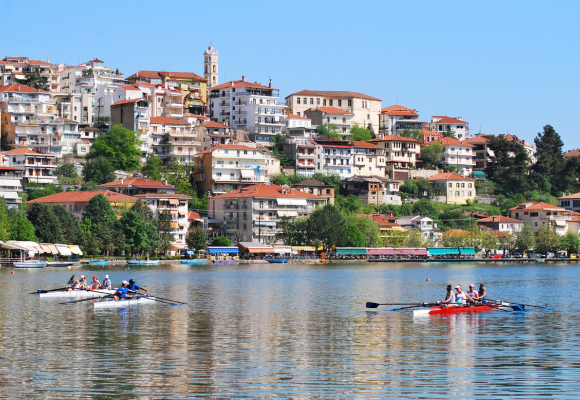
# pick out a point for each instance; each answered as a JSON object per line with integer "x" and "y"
{"x": 9, "y": 195}
{"x": 255, "y": 247}
{"x": 217, "y": 250}
{"x": 52, "y": 248}
{"x": 247, "y": 173}
{"x": 174, "y": 201}
{"x": 478, "y": 174}
{"x": 45, "y": 249}
{"x": 304, "y": 248}
{"x": 10, "y": 183}
{"x": 291, "y": 202}
{"x": 75, "y": 250}
{"x": 265, "y": 223}
{"x": 40, "y": 180}
{"x": 443, "y": 251}
{"x": 283, "y": 249}
{"x": 173, "y": 212}
{"x": 351, "y": 250}
{"x": 284, "y": 213}
{"x": 63, "y": 250}
{"x": 182, "y": 212}
{"x": 399, "y": 251}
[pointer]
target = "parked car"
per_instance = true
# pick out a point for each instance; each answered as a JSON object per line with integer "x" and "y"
{"x": 506, "y": 255}
{"x": 518, "y": 255}
{"x": 78, "y": 165}
{"x": 138, "y": 175}
{"x": 549, "y": 255}
{"x": 562, "y": 255}
{"x": 495, "y": 256}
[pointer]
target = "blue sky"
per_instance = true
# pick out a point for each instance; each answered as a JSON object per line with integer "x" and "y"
{"x": 502, "y": 66}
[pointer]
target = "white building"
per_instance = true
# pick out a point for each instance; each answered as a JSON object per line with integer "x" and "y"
{"x": 424, "y": 224}
{"x": 38, "y": 166}
{"x": 298, "y": 126}
{"x": 458, "y": 154}
{"x": 343, "y": 120}
{"x": 173, "y": 140}
{"x": 10, "y": 183}
{"x": 248, "y": 106}
{"x": 440, "y": 123}
{"x": 538, "y": 214}
{"x": 393, "y": 120}
{"x": 254, "y": 213}
{"x": 334, "y": 157}
{"x": 134, "y": 115}
{"x": 163, "y": 102}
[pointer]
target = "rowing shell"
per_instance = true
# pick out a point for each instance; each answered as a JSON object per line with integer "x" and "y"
{"x": 76, "y": 294}
{"x": 124, "y": 303}
{"x": 438, "y": 310}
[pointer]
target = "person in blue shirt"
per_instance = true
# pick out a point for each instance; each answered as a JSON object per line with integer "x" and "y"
{"x": 134, "y": 287}
{"x": 122, "y": 292}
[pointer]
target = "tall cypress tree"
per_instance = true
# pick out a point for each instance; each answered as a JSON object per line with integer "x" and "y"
{"x": 550, "y": 159}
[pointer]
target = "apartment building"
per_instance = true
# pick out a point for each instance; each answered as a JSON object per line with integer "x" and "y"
{"x": 343, "y": 120}
{"x": 334, "y": 157}
{"x": 163, "y": 102}
{"x": 426, "y": 225}
{"x": 173, "y": 140}
{"x": 400, "y": 154}
{"x": 161, "y": 199}
{"x": 192, "y": 87}
{"x": 430, "y": 136}
{"x": 368, "y": 159}
{"x": 254, "y": 213}
{"x": 458, "y": 154}
{"x": 538, "y": 214}
{"x": 482, "y": 154}
{"x": 10, "y": 183}
{"x": 440, "y": 123}
{"x": 365, "y": 108}
{"x": 318, "y": 187}
{"x": 250, "y": 107}
{"x": 374, "y": 190}
{"x": 13, "y": 68}
{"x": 134, "y": 115}
{"x": 212, "y": 133}
{"x": 456, "y": 188}
{"x": 298, "y": 126}
{"x": 37, "y": 165}
{"x": 227, "y": 167}
{"x": 306, "y": 155}
{"x": 570, "y": 202}
{"x": 499, "y": 223}
{"x": 393, "y": 120}
{"x": 95, "y": 80}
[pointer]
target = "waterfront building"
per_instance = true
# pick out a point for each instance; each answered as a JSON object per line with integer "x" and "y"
{"x": 342, "y": 119}
{"x": 456, "y": 188}
{"x": 458, "y": 154}
{"x": 426, "y": 225}
{"x": 440, "y": 123}
{"x": 226, "y": 167}
{"x": 250, "y": 107}
{"x": 253, "y": 213}
{"x": 374, "y": 190}
{"x": 75, "y": 202}
{"x": 501, "y": 224}
{"x": 317, "y": 187}
{"x": 37, "y": 165}
{"x": 538, "y": 214}
{"x": 364, "y": 108}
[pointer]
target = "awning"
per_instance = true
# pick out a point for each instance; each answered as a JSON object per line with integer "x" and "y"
{"x": 10, "y": 183}
{"x": 174, "y": 212}
{"x": 174, "y": 201}
{"x": 398, "y": 251}
{"x": 255, "y": 247}
{"x": 53, "y": 249}
{"x": 287, "y": 213}
{"x": 478, "y": 174}
{"x": 9, "y": 195}
{"x": 304, "y": 248}
{"x": 40, "y": 180}
{"x": 467, "y": 250}
{"x": 283, "y": 249}
{"x": 64, "y": 250}
{"x": 46, "y": 249}
{"x": 351, "y": 250}
{"x": 173, "y": 225}
{"x": 228, "y": 250}
{"x": 75, "y": 250}
{"x": 561, "y": 223}
{"x": 183, "y": 223}
{"x": 265, "y": 223}
{"x": 14, "y": 246}
{"x": 247, "y": 173}
{"x": 443, "y": 251}
{"x": 182, "y": 212}
{"x": 292, "y": 202}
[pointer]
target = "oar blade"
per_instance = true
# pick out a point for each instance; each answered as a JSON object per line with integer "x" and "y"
{"x": 370, "y": 304}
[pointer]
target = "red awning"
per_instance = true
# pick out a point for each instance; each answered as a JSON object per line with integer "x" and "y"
{"x": 260, "y": 250}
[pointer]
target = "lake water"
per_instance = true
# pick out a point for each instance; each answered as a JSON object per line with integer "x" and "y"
{"x": 293, "y": 331}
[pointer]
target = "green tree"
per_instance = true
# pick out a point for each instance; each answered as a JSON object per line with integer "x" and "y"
{"x": 550, "y": 159}
{"x": 99, "y": 170}
{"x": 67, "y": 170}
{"x": 353, "y": 237}
{"x": 398, "y": 211}
{"x": 34, "y": 192}
{"x": 152, "y": 168}
{"x": 4, "y": 221}
{"x": 295, "y": 232}
{"x": 508, "y": 169}
{"x": 426, "y": 208}
{"x": 196, "y": 240}
{"x": 135, "y": 231}
{"x": 151, "y": 227}
{"x": 34, "y": 80}
{"x": 99, "y": 210}
{"x": 46, "y": 224}
{"x": 277, "y": 147}
{"x": 221, "y": 241}
{"x": 415, "y": 239}
{"x": 68, "y": 225}
{"x": 417, "y": 187}
{"x": 570, "y": 242}
{"x": 328, "y": 131}
{"x": 369, "y": 229}
{"x": 120, "y": 146}
{"x": 326, "y": 226}
{"x": 449, "y": 133}
{"x": 179, "y": 175}
{"x": 547, "y": 239}
{"x": 454, "y": 219}
{"x": 524, "y": 238}
{"x": 395, "y": 238}
{"x": 165, "y": 235}
{"x": 360, "y": 133}
{"x": 416, "y": 134}
{"x": 432, "y": 154}
{"x": 21, "y": 228}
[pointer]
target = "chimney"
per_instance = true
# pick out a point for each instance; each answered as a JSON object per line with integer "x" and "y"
{"x": 391, "y": 214}
{"x": 494, "y": 218}
{"x": 243, "y": 78}
{"x": 122, "y": 180}
{"x": 460, "y": 118}
{"x": 270, "y": 85}
{"x": 232, "y": 83}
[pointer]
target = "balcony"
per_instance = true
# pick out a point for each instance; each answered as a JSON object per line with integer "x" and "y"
{"x": 270, "y": 123}
{"x": 224, "y": 104}
{"x": 237, "y": 112}
{"x": 300, "y": 155}
{"x": 240, "y": 103}
{"x": 173, "y": 105}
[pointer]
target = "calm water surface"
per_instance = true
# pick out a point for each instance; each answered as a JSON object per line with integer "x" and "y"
{"x": 293, "y": 331}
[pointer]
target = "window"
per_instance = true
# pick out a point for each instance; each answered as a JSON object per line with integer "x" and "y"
{"x": 339, "y": 103}
{"x": 305, "y": 101}
{"x": 469, "y": 194}
{"x": 451, "y": 185}
{"x": 311, "y": 100}
{"x": 457, "y": 185}
{"x": 298, "y": 113}
{"x": 463, "y": 186}
{"x": 330, "y": 102}
{"x": 350, "y": 103}
{"x": 318, "y": 102}
{"x": 470, "y": 185}
{"x": 534, "y": 214}
{"x": 456, "y": 194}
{"x": 297, "y": 100}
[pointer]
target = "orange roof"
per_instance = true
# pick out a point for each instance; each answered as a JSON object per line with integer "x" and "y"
{"x": 213, "y": 124}
{"x": 447, "y": 141}
{"x": 166, "y": 120}
{"x": 572, "y": 153}
{"x": 17, "y": 87}
{"x": 399, "y": 110}
{"x": 329, "y": 110}
{"x": 193, "y": 216}
{"x": 164, "y": 195}
{"x": 449, "y": 120}
{"x": 228, "y": 147}
{"x": 38, "y": 62}
{"x": 571, "y": 196}
{"x": 130, "y": 88}
{"x": 431, "y": 133}
{"x": 241, "y": 84}
{"x": 337, "y": 94}
{"x": 136, "y": 182}
{"x": 26, "y": 150}
{"x": 123, "y": 102}
{"x": 268, "y": 191}
{"x": 575, "y": 218}
{"x": 500, "y": 219}
{"x": 358, "y": 143}
{"x": 146, "y": 74}
{"x": 394, "y": 138}
{"x": 477, "y": 140}
{"x": 294, "y": 116}
{"x": 382, "y": 220}
{"x": 537, "y": 207}
{"x": 182, "y": 75}
{"x": 449, "y": 176}
{"x": 83, "y": 197}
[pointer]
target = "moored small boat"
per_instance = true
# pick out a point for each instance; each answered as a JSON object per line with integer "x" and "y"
{"x": 143, "y": 262}
{"x": 76, "y": 294}
{"x": 59, "y": 264}
{"x": 30, "y": 264}
{"x": 224, "y": 261}
{"x": 438, "y": 310}
{"x": 98, "y": 262}
{"x": 195, "y": 262}
{"x": 278, "y": 260}
{"x": 124, "y": 303}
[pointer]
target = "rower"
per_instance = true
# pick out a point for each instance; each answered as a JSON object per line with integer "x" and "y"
{"x": 122, "y": 291}
{"x": 106, "y": 283}
{"x": 83, "y": 283}
{"x": 482, "y": 294}
{"x": 449, "y": 297}
{"x": 73, "y": 283}
{"x": 95, "y": 284}
{"x": 461, "y": 297}
{"x": 133, "y": 286}
{"x": 472, "y": 292}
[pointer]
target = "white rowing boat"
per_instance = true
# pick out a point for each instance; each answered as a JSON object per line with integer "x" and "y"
{"x": 76, "y": 294}
{"x": 125, "y": 303}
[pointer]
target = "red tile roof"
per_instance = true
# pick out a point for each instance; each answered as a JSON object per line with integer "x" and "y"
{"x": 358, "y": 143}
{"x": 334, "y": 94}
{"x": 83, "y": 197}
{"x": 268, "y": 191}
{"x": 96, "y": 60}
{"x": 213, "y": 124}
{"x": 229, "y": 147}
{"x": 477, "y": 140}
{"x": 447, "y": 141}
{"x": 124, "y": 102}
{"x": 17, "y": 87}
{"x": 382, "y": 220}
{"x": 241, "y": 84}
{"x": 166, "y": 120}
{"x": 138, "y": 182}
{"x": 394, "y": 138}
{"x": 449, "y": 176}
{"x": 26, "y": 150}
{"x": 431, "y": 133}
{"x": 572, "y": 153}
{"x": 146, "y": 74}
{"x": 182, "y": 75}
{"x": 399, "y": 110}
{"x": 38, "y": 62}
{"x": 571, "y": 196}
{"x": 10, "y": 169}
{"x": 500, "y": 219}
{"x": 329, "y": 110}
{"x": 130, "y": 88}
{"x": 537, "y": 207}
{"x": 294, "y": 116}
{"x": 449, "y": 120}
{"x": 164, "y": 195}
{"x": 193, "y": 216}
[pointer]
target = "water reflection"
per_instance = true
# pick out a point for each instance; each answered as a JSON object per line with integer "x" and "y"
{"x": 291, "y": 331}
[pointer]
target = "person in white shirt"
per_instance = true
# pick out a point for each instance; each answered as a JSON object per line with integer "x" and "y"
{"x": 106, "y": 283}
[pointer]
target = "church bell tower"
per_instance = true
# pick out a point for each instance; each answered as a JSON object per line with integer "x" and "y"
{"x": 210, "y": 66}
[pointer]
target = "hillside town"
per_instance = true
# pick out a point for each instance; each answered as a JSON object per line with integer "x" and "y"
{"x": 168, "y": 162}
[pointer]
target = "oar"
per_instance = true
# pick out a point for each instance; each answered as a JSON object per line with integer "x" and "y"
{"x": 420, "y": 305}
{"x": 370, "y": 304}
{"x": 522, "y": 304}
{"x": 50, "y": 290}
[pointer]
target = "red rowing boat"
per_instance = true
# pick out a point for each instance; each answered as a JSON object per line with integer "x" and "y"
{"x": 438, "y": 310}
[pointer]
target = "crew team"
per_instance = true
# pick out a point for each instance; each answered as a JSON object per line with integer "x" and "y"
{"x": 460, "y": 298}
{"x": 125, "y": 291}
